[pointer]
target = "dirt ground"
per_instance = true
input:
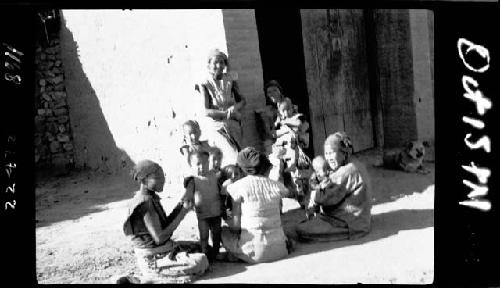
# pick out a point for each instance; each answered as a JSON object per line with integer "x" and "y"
{"x": 79, "y": 236}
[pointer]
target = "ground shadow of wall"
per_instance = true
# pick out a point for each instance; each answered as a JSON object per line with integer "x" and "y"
{"x": 389, "y": 185}
{"x": 79, "y": 195}
{"x": 97, "y": 157}
{"x": 383, "y": 225}
{"x": 224, "y": 269}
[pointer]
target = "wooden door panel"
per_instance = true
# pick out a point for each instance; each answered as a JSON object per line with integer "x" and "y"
{"x": 337, "y": 75}
{"x": 357, "y": 112}
{"x": 313, "y": 52}
{"x": 355, "y": 125}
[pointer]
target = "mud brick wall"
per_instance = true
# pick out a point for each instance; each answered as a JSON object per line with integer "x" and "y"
{"x": 53, "y": 140}
{"x": 130, "y": 78}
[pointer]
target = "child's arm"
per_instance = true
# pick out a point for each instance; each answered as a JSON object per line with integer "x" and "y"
{"x": 326, "y": 183}
{"x": 312, "y": 207}
{"x": 188, "y": 197}
{"x": 185, "y": 152}
{"x": 313, "y": 182}
{"x": 152, "y": 222}
{"x": 293, "y": 121}
{"x": 283, "y": 130}
{"x": 223, "y": 190}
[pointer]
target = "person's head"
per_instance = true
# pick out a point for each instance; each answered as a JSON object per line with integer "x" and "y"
{"x": 192, "y": 131}
{"x": 215, "y": 158}
{"x": 320, "y": 166}
{"x": 149, "y": 174}
{"x": 285, "y": 108}
{"x": 232, "y": 172}
{"x": 217, "y": 62}
{"x": 253, "y": 162}
{"x": 338, "y": 150}
{"x": 198, "y": 161}
{"x": 273, "y": 91}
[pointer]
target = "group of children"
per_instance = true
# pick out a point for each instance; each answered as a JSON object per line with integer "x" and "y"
{"x": 205, "y": 184}
{"x": 206, "y": 181}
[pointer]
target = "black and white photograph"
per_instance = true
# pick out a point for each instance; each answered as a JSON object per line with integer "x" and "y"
{"x": 266, "y": 145}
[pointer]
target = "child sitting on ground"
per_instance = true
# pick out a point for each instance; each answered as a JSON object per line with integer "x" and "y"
{"x": 203, "y": 185}
{"x": 230, "y": 174}
{"x": 319, "y": 180}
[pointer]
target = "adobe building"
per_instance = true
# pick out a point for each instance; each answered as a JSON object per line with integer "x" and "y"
{"x": 113, "y": 86}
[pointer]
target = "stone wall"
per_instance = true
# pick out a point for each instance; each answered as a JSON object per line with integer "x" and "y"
{"x": 53, "y": 138}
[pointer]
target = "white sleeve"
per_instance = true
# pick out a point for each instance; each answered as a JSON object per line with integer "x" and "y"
{"x": 234, "y": 191}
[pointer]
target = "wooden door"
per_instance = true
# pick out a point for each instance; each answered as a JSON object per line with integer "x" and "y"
{"x": 337, "y": 76}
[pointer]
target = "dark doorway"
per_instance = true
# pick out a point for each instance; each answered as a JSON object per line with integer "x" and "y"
{"x": 282, "y": 54}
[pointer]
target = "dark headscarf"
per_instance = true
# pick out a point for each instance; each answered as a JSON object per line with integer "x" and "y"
{"x": 144, "y": 168}
{"x": 253, "y": 162}
{"x": 273, "y": 83}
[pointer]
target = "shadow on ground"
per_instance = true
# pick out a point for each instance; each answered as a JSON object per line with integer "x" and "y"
{"x": 69, "y": 195}
{"x": 224, "y": 269}
{"x": 78, "y": 195}
{"x": 389, "y": 185}
{"x": 383, "y": 225}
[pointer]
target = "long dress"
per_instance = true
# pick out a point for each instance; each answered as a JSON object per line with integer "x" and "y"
{"x": 262, "y": 238}
{"x": 224, "y": 134}
{"x": 345, "y": 208}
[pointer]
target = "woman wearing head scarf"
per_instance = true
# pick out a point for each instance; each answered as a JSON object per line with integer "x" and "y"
{"x": 345, "y": 207}
{"x": 256, "y": 234}
{"x": 268, "y": 115}
{"x": 160, "y": 260}
{"x": 223, "y": 104}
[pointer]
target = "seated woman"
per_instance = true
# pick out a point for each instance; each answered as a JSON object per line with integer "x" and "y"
{"x": 223, "y": 104}
{"x": 345, "y": 206}
{"x": 266, "y": 117}
{"x": 160, "y": 259}
{"x": 255, "y": 235}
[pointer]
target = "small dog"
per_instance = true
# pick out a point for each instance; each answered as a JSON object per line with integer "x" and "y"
{"x": 409, "y": 159}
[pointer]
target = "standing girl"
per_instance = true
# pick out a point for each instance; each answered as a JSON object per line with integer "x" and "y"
{"x": 223, "y": 104}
